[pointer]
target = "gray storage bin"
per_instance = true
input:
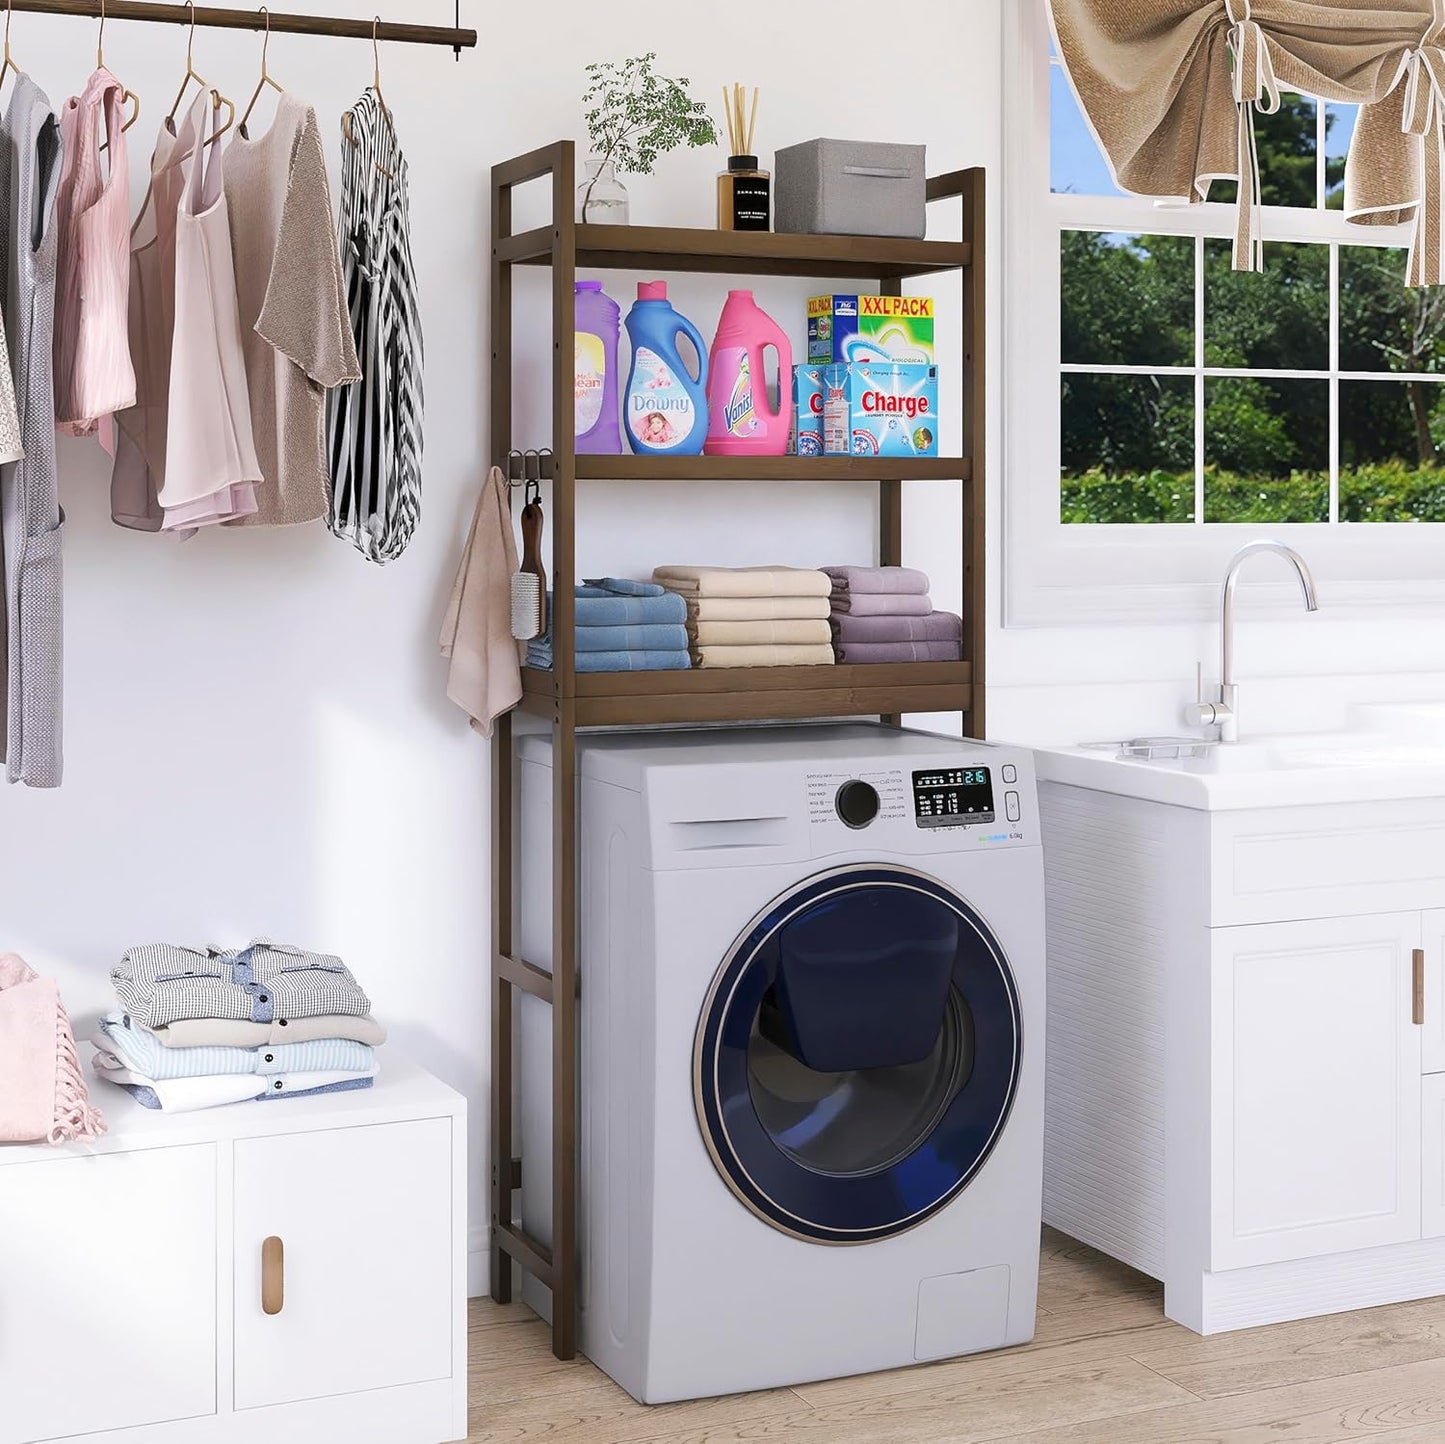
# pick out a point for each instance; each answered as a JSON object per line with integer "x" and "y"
{"x": 850, "y": 188}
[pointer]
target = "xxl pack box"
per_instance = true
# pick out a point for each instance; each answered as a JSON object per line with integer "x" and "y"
{"x": 880, "y": 409}
{"x": 844, "y": 329}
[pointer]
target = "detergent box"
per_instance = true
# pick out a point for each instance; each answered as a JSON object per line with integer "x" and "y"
{"x": 843, "y": 329}
{"x": 807, "y": 411}
{"x": 884, "y": 408}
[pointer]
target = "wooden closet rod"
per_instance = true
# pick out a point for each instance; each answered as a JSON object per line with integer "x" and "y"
{"x": 253, "y": 20}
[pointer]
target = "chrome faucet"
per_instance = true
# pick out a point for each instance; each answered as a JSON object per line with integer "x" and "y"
{"x": 1224, "y": 713}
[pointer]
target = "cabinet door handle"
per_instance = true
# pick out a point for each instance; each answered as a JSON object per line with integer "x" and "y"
{"x": 273, "y": 1276}
{"x": 1419, "y": 989}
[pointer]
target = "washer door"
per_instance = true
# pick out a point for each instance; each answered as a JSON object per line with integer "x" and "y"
{"x": 857, "y": 1055}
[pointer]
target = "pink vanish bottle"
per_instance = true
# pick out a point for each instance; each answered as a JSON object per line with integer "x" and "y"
{"x": 741, "y": 418}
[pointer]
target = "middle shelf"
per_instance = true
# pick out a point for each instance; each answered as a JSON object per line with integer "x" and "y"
{"x": 774, "y": 468}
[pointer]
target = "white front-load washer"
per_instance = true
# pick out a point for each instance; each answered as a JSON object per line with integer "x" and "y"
{"x": 812, "y": 1009}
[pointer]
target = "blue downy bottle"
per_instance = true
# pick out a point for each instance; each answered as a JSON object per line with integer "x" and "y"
{"x": 665, "y": 413}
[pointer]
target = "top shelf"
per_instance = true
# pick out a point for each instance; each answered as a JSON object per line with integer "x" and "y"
{"x": 759, "y": 253}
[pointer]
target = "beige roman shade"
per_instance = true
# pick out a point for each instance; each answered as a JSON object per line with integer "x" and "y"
{"x": 1171, "y": 87}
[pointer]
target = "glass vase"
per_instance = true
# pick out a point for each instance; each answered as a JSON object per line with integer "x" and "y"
{"x": 602, "y": 198}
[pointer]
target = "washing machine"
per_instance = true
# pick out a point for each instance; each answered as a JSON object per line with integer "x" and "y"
{"x": 812, "y": 1057}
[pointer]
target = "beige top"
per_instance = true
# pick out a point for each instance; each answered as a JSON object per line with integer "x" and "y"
{"x": 296, "y": 334}
{"x": 1171, "y": 88}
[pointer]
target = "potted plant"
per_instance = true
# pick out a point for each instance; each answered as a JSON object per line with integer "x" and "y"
{"x": 634, "y": 115}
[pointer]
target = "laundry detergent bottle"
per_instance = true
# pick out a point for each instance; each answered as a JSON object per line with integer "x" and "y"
{"x": 599, "y": 328}
{"x": 666, "y": 406}
{"x": 742, "y": 420}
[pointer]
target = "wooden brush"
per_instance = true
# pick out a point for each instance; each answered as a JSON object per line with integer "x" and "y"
{"x": 529, "y": 585}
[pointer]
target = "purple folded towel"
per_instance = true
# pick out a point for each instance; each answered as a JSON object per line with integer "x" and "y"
{"x": 935, "y": 627}
{"x": 881, "y": 604}
{"x": 855, "y": 652}
{"x": 878, "y": 581}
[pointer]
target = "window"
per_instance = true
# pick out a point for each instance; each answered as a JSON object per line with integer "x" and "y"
{"x": 1195, "y": 404}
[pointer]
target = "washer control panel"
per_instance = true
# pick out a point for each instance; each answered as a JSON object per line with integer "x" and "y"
{"x": 857, "y": 803}
{"x": 955, "y": 797}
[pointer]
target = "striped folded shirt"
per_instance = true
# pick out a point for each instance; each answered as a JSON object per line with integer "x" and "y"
{"x": 142, "y": 1052}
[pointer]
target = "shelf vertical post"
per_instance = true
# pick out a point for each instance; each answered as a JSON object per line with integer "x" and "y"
{"x": 564, "y": 760}
{"x": 975, "y": 417}
{"x": 890, "y": 507}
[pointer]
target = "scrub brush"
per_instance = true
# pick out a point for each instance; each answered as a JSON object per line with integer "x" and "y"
{"x": 529, "y": 585}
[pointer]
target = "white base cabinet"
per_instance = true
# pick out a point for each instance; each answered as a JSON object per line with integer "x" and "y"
{"x": 135, "y": 1305}
{"x": 1246, "y": 1074}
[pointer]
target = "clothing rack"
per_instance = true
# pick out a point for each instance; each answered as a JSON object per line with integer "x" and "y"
{"x": 256, "y": 19}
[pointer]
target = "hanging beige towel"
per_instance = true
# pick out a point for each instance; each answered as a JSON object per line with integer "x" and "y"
{"x": 763, "y": 656}
{"x": 759, "y": 633}
{"x": 743, "y": 581}
{"x": 486, "y": 671}
{"x": 756, "y": 609}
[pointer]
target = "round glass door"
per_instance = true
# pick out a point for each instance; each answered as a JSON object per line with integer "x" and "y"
{"x": 857, "y": 1055}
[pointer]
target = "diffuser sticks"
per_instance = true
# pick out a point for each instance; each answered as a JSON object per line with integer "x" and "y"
{"x": 744, "y": 192}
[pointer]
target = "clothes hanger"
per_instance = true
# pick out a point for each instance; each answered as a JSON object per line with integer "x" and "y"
{"x": 9, "y": 66}
{"x": 125, "y": 94}
{"x": 265, "y": 79}
{"x": 346, "y": 129}
{"x": 217, "y": 99}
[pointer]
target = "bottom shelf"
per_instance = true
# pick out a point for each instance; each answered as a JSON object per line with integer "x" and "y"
{"x": 755, "y": 694}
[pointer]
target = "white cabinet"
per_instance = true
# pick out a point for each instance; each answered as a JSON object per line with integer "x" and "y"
{"x": 107, "y": 1292}
{"x": 364, "y": 1220}
{"x": 1433, "y": 1039}
{"x": 1317, "y": 1104}
{"x": 131, "y": 1306}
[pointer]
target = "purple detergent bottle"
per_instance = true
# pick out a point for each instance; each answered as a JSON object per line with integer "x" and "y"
{"x": 598, "y": 323}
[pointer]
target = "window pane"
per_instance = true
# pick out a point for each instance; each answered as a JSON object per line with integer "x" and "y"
{"x": 1127, "y": 300}
{"x": 1076, "y": 165}
{"x": 1386, "y": 325}
{"x": 1266, "y": 450}
{"x": 1288, "y": 144}
{"x": 1277, "y": 320}
{"x": 1391, "y": 439}
{"x": 1340, "y": 128}
{"x": 1128, "y": 449}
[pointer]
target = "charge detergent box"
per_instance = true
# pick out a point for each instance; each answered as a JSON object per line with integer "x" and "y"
{"x": 807, "y": 411}
{"x": 883, "y": 408}
{"x": 843, "y": 329}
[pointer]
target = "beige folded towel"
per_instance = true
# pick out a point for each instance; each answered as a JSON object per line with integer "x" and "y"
{"x": 744, "y": 581}
{"x": 763, "y": 656}
{"x": 759, "y": 633}
{"x": 486, "y": 672}
{"x": 756, "y": 609}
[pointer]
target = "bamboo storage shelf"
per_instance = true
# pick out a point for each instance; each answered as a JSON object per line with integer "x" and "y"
{"x": 570, "y": 700}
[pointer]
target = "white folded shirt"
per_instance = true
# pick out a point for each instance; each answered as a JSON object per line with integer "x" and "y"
{"x": 189, "y": 1095}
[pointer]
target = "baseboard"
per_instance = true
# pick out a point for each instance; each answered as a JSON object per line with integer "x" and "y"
{"x": 479, "y": 1260}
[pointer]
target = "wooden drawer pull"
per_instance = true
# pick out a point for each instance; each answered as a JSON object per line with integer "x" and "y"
{"x": 273, "y": 1276}
{"x": 1419, "y": 989}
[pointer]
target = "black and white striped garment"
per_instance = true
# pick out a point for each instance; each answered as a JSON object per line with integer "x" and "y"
{"x": 374, "y": 426}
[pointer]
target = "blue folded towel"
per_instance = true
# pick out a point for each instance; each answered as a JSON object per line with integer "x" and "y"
{"x": 599, "y": 608}
{"x": 673, "y": 660}
{"x": 647, "y": 638}
{"x": 623, "y": 587}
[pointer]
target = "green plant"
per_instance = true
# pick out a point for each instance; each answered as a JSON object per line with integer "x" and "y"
{"x": 635, "y": 115}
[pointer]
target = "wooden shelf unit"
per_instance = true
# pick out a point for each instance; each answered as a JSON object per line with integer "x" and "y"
{"x": 571, "y": 700}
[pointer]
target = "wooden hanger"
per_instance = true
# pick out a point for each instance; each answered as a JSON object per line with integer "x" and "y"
{"x": 9, "y": 66}
{"x": 125, "y": 95}
{"x": 265, "y": 79}
{"x": 346, "y": 129}
{"x": 217, "y": 99}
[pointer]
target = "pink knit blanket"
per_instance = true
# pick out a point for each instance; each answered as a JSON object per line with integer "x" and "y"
{"x": 42, "y": 1090}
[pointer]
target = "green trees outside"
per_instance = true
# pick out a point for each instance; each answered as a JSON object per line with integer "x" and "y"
{"x": 1128, "y": 441}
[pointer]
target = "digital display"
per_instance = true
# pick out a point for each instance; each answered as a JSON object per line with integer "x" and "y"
{"x": 953, "y": 797}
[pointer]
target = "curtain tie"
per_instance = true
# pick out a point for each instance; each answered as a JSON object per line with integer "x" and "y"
{"x": 1425, "y": 118}
{"x": 1256, "y": 88}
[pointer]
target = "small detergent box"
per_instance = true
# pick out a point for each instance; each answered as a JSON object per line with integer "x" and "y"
{"x": 845, "y": 329}
{"x": 807, "y": 411}
{"x": 884, "y": 408}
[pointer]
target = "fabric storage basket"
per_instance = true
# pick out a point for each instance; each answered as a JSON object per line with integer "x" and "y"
{"x": 851, "y": 187}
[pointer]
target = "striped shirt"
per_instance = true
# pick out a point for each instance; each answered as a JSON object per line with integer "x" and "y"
{"x": 141, "y": 1051}
{"x": 374, "y": 426}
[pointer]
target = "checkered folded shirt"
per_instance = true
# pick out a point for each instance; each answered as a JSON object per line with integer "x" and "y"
{"x": 159, "y": 984}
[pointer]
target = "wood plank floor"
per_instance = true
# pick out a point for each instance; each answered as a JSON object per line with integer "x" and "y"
{"x": 1105, "y": 1368}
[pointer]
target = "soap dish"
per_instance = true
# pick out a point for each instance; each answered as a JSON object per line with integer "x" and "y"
{"x": 1155, "y": 749}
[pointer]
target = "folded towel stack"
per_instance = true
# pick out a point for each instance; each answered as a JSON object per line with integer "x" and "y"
{"x": 884, "y": 614}
{"x": 753, "y": 616}
{"x": 203, "y": 1027}
{"x": 622, "y": 626}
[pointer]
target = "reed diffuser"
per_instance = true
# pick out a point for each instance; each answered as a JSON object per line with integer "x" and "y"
{"x": 744, "y": 192}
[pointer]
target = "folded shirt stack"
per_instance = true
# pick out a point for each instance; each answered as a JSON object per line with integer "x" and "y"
{"x": 202, "y": 1027}
{"x": 884, "y": 614}
{"x": 754, "y": 616}
{"x": 622, "y": 626}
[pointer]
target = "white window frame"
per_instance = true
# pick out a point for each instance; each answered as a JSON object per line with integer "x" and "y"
{"x": 1077, "y": 574}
